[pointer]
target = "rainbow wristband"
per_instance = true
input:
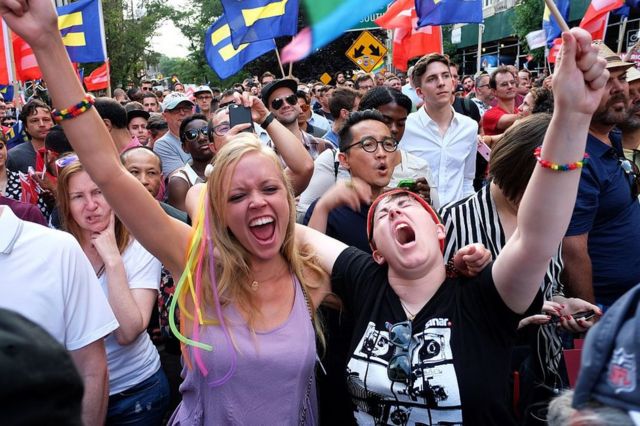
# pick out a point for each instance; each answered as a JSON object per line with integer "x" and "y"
{"x": 559, "y": 167}
{"x": 73, "y": 111}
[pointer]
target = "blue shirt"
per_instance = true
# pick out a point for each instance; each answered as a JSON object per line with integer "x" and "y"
{"x": 332, "y": 137}
{"x": 606, "y": 209}
{"x": 346, "y": 225}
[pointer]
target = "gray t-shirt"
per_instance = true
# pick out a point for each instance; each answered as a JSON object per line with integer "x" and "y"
{"x": 21, "y": 157}
{"x": 169, "y": 149}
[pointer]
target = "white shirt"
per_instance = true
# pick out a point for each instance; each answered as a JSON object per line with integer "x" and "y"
{"x": 133, "y": 363}
{"x": 452, "y": 157}
{"x": 45, "y": 276}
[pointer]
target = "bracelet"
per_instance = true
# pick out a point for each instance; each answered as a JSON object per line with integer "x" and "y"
{"x": 74, "y": 110}
{"x": 451, "y": 270}
{"x": 267, "y": 121}
{"x": 560, "y": 167}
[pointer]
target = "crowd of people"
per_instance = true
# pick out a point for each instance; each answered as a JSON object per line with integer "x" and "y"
{"x": 387, "y": 249}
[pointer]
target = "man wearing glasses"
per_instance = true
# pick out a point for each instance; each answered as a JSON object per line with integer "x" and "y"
{"x": 204, "y": 97}
{"x": 601, "y": 246}
{"x": 280, "y": 97}
{"x": 483, "y": 96}
{"x": 176, "y": 107}
{"x": 504, "y": 87}
{"x": 366, "y": 150}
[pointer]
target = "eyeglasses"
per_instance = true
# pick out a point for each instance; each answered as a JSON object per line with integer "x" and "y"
{"x": 399, "y": 367}
{"x": 277, "y": 103}
{"x": 631, "y": 169}
{"x": 63, "y": 162}
{"x": 304, "y": 107}
{"x": 181, "y": 110}
{"x": 221, "y": 129}
{"x": 192, "y": 134}
{"x": 370, "y": 144}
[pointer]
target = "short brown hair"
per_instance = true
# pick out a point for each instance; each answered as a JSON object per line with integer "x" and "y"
{"x": 500, "y": 70}
{"x": 342, "y": 98}
{"x": 420, "y": 68}
{"x": 512, "y": 161}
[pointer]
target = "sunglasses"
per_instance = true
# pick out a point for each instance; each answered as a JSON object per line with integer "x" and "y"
{"x": 221, "y": 129}
{"x": 370, "y": 144}
{"x": 192, "y": 134}
{"x": 304, "y": 107}
{"x": 277, "y": 103}
{"x": 399, "y": 367}
{"x": 631, "y": 169}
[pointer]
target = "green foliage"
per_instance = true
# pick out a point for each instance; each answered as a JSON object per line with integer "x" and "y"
{"x": 528, "y": 17}
{"x": 128, "y": 31}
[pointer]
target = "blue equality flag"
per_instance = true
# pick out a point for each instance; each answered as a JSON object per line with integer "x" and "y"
{"x": 443, "y": 12}
{"x": 549, "y": 24}
{"x": 254, "y": 20}
{"x": 82, "y": 29}
{"x": 225, "y": 59}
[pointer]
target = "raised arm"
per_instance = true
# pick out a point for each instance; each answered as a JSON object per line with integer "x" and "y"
{"x": 547, "y": 204}
{"x": 299, "y": 164}
{"x": 36, "y": 22}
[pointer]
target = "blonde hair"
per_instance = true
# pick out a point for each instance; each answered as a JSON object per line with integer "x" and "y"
{"x": 232, "y": 260}
{"x": 69, "y": 224}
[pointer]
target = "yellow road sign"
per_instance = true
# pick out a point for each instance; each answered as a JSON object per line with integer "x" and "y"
{"x": 325, "y": 78}
{"x": 366, "y": 51}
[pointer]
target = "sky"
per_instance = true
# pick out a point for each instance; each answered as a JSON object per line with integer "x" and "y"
{"x": 170, "y": 41}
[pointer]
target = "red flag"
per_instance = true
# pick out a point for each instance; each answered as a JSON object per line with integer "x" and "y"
{"x": 398, "y": 15}
{"x": 595, "y": 18}
{"x": 409, "y": 43}
{"x": 555, "y": 50}
{"x": 26, "y": 64}
{"x": 5, "y": 56}
{"x": 98, "y": 79}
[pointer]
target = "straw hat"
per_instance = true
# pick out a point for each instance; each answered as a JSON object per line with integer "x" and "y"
{"x": 613, "y": 59}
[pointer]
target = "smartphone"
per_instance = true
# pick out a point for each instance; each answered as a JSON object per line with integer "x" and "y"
{"x": 484, "y": 150}
{"x": 586, "y": 315}
{"x": 239, "y": 114}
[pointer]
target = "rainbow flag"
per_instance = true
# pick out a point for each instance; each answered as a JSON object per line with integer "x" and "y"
{"x": 328, "y": 20}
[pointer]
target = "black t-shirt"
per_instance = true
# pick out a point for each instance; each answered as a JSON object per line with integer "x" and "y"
{"x": 460, "y": 348}
{"x": 21, "y": 157}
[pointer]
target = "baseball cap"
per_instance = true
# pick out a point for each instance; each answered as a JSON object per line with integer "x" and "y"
{"x": 202, "y": 89}
{"x": 609, "y": 372}
{"x": 174, "y": 99}
{"x": 275, "y": 85}
{"x": 613, "y": 60}
{"x": 135, "y": 109}
{"x": 394, "y": 192}
{"x": 39, "y": 383}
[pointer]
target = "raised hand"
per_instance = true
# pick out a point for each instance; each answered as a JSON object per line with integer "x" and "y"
{"x": 35, "y": 21}
{"x": 580, "y": 77}
{"x": 105, "y": 242}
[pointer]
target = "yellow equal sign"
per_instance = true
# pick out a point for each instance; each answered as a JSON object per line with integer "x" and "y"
{"x": 228, "y": 51}
{"x": 271, "y": 10}
{"x": 72, "y": 20}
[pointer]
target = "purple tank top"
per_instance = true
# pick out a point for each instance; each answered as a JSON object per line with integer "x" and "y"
{"x": 271, "y": 381}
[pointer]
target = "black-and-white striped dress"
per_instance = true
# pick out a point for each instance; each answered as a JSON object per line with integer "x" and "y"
{"x": 475, "y": 220}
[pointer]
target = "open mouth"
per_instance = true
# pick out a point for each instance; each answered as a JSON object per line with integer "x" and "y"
{"x": 382, "y": 168}
{"x": 262, "y": 228}
{"x": 404, "y": 234}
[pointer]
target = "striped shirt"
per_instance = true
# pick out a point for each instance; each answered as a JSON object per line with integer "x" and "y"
{"x": 475, "y": 220}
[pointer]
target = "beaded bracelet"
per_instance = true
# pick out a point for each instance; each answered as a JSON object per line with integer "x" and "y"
{"x": 73, "y": 111}
{"x": 560, "y": 167}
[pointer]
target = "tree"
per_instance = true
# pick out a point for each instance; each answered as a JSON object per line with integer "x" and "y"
{"x": 128, "y": 30}
{"x": 528, "y": 16}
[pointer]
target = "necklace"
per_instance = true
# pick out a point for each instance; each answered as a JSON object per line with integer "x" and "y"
{"x": 410, "y": 316}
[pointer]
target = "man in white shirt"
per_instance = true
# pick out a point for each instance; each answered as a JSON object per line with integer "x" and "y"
{"x": 47, "y": 278}
{"x": 436, "y": 133}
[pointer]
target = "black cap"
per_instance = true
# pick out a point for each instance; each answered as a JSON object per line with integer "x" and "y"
{"x": 274, "y": 85}
{"x": 39, "y": 384}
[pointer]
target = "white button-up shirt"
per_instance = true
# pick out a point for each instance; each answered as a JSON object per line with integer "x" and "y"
{"x": 452, "y": 157}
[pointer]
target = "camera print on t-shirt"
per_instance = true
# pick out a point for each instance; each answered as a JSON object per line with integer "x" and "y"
{"x": 429, "y": 396}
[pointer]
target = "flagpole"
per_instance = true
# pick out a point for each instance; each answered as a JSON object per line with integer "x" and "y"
{"x": 290, "y": 69}
{"x": 556, "y": 14}
{"x": 479, "y": 59}
{"x": 623, "y": 29}
{"x": 279, "y": 61}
